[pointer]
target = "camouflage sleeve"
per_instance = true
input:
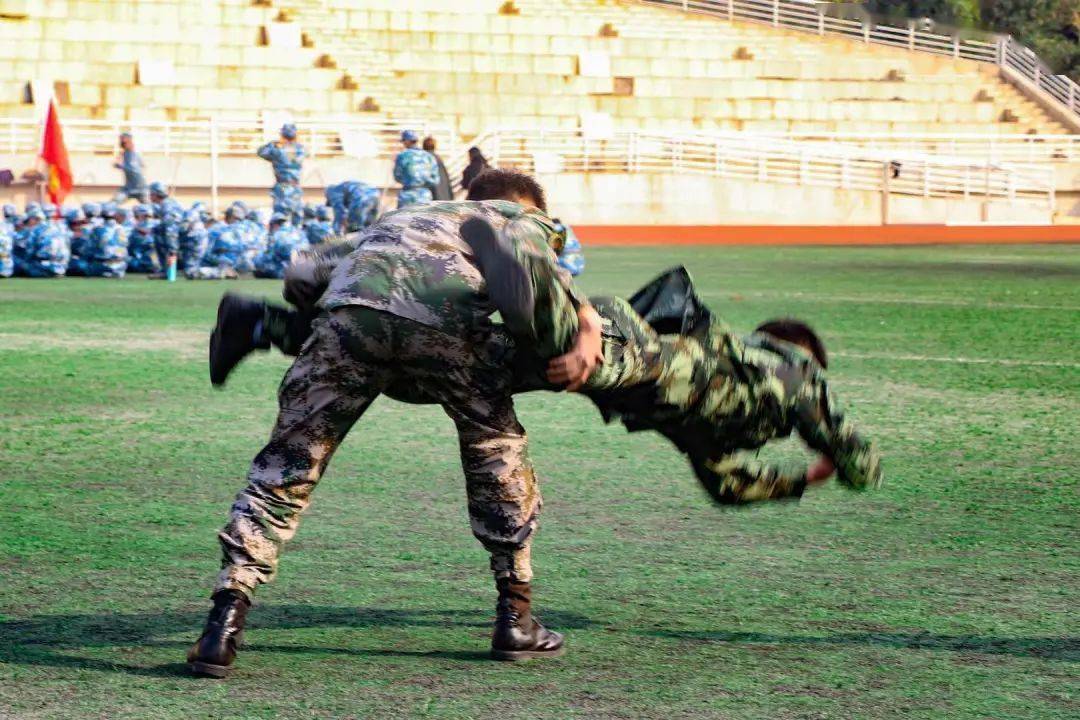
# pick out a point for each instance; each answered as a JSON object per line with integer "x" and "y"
{"x": 557, "y": 299}
{"x": 267, "y": 151}
{"x": 738, "y": 479}
{"x": 171, "y": 233}
{"x": 821, "y": 422}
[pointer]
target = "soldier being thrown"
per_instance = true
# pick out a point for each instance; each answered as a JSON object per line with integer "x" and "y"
{"x": 407, "y": 306}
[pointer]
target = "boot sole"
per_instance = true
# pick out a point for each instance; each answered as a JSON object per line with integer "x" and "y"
{"x": 207, "y": 670}
{"x": 215, "y": 340}
{"x": 516, "y": 655}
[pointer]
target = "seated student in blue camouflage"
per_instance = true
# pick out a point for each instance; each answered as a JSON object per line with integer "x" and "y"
{"x": 321, "y": 227}
{"x": 568, "y": 249}
{"x": 193, "y": 241}
{"x": 7, "y": 246}
{"x": 78, "y": 236}
{"x": 141, "y": 255}
{"x": 41, "y": 247}
{"x": 254, "y": 234}
{"x": 281, "y": 248}
{"x": 106, "y": 248}
{"x": 667, "y": 365}
{"x": 226, "y": 246}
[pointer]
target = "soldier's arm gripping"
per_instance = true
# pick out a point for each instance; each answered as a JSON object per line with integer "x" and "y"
{"x": 821, "y": 422}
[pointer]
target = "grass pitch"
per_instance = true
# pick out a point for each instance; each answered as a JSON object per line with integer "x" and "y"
{"x": 950, "y": 593}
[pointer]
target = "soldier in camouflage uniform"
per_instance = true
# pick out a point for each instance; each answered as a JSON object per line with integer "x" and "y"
{"x": 7, "y": 246}
{"x": 193, "y": 242}
{"x": 170, "y": 214}
{"x": 287, "y": 158}
{"x": 416, "y": 170}
{"x": 227, "y": 245}
{"x": 105, "y": 251}
{"x": 282, "y": 246}
{"x": 141, "y": 255}
{"x": 321, "y": 228}
{"x": 405, "y": 307}
{"x": 42, "y": 249}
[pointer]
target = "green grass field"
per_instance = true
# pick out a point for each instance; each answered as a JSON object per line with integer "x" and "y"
{"x": 951, "y": 593}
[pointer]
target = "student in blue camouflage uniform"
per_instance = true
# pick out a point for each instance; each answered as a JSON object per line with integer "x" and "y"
{"x": 284, "y": 242}
{"x": 106, "y": 249}
{"x": 287, "y": 157}
{"x": 78, "y": 236}
{"x": 141, "y": 255}
{"x": 194, "y": 240}
{"x": 355, "y": 205}
{"x": 568, "y": 248}
{"x": 44, "y": 248}
{"x": 7, "y": 248}
{"x": 251, "y": 229}
{"x": 169, "y": 215}
{"x": 226, "y": 245}
{"x": 416, "y": 170}
{"x": 322, "y": 227}
{"x": 131, "y": 164}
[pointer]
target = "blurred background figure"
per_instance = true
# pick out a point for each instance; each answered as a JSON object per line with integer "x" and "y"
{"x": 442, "y": 189}
{"x": 477, "y": 164}
{"x": 131, "y": 163}
{"x": 355, "y": 205}
{"x": 568, "y": 249}
{"x": 141, "y": 255}
{"x": 322, "y": 227}
{"x": 41, "y": 247}
{"x": 287, "y": 158}
{"x": 416, "y": 170}
{"x": 281, "y": 247}
{"x": 169, "y": 214}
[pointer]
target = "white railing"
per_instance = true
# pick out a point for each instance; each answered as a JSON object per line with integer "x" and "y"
{"x": 1014, "y": 148}
{"x": 227, "y": 137}
{"x": 772, "y": 160}
{"x": 998, "y": 50}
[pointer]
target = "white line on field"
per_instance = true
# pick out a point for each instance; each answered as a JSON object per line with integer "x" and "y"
{"x": 961, "y": 360}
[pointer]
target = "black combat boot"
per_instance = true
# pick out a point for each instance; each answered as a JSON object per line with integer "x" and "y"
{"x": 213, "y": 654}
{"x": 518, "y": 636}
{"x": 236, "y": 335}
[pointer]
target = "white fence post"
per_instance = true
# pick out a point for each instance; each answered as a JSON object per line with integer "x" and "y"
{"x": 1072, "y": 93}
{"x": 911, "y": 37}
{"x": 1003, "y": 51}
{"x": 956, "y": 47}
{"x": 866, "y": 32}
{"x": 776, "y": 13}
{"x": 730, "y": 10}
{"x": 821, "y": 23}
{"x": 213, "y": 164}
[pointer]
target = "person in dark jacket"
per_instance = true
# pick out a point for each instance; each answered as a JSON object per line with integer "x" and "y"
{"x": 442, "y": 190}
{"x": 477, "y": 164}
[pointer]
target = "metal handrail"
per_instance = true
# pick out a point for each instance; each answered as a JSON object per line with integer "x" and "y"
{"x": 1001, "y": 50}
{"x": 765, "y": 159}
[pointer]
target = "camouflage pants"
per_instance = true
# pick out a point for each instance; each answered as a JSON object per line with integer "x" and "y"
{"x": 412, "y": 196}
{"x": 288, "y": 199}
{"x": 354, "y": 354}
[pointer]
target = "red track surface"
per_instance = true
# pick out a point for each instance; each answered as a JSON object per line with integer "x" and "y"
{"x": 823, "y": 235}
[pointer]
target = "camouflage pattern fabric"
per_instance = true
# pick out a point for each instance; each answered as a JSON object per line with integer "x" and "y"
{"x": 355, "y": 205}
{"x": 141, "y": 255}
{"x": 417, "y": 171}
{"x": 105, "y": 253}
{"x": 414, "y": 263}
{"x": 287, "y": 160}
{"x": 7, "y": 244}
{"x": 224, "y": 254}
{"x": 281, "y": 248}
{"x": 353, "y": 354}
{"x": 194, "y": 241}
{"x": 167, "y": 230}
{"x": 44, "y": 251}
{"x": 571, "y": 255}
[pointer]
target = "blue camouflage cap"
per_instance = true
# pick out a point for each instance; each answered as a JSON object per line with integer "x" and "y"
{"x": 324, "y": 212}
{"x": 409, "y": 136}
{"x": 158, "y": 188}
{"x": 142, "y": 210}
{"x": 193, "y": 216}
{"x": 309, "y": 210}
{"x": 288, "y": 130}
{"x": 91, "y": 209}
{"x": 32, "y": 205}
{"x": 278, "y": 218}
{"x": 236, "y": 212}
{"x": 74, "y": 215}
{"x": 108, "y": 209}
{"x": 35, "y": 214}
{"x": 10, "y": 210}
{"x": 120, "y": 214}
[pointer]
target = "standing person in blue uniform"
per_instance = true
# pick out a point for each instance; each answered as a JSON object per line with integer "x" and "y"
{"x": 167, "y": 231}
{"x": 131, "y": 164}
{"x": 568, "y": 249}
{"x": 287, "y": 157}
{"x": 416, "y": 170}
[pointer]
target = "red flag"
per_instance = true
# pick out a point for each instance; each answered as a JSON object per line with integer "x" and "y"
{"x": 54, "y": 153}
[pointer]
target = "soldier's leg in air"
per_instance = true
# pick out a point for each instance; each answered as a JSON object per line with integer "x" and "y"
{"x": 246, "y": 324}
{"x": 324, "y": 393}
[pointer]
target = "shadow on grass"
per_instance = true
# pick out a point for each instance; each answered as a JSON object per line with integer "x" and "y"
{"x": 1065, "y": 649}
{"x": 43, "y": 639}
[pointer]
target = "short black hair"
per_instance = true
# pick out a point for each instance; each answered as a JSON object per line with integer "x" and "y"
{"x": 500, "y": 184}
{"x": 799, "y": 333}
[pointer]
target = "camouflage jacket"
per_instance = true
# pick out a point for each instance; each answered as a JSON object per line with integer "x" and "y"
{"x": 287, "y": 160}
{"x": 416, "y": 168}
{"x": 413, "y": 263}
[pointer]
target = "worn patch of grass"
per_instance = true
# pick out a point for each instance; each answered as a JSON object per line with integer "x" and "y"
{"x": 950, "y": 593}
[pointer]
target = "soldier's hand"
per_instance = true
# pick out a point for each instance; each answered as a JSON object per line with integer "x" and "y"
{"x": 575, "y": 367}
{"x": 820, "y": 471}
